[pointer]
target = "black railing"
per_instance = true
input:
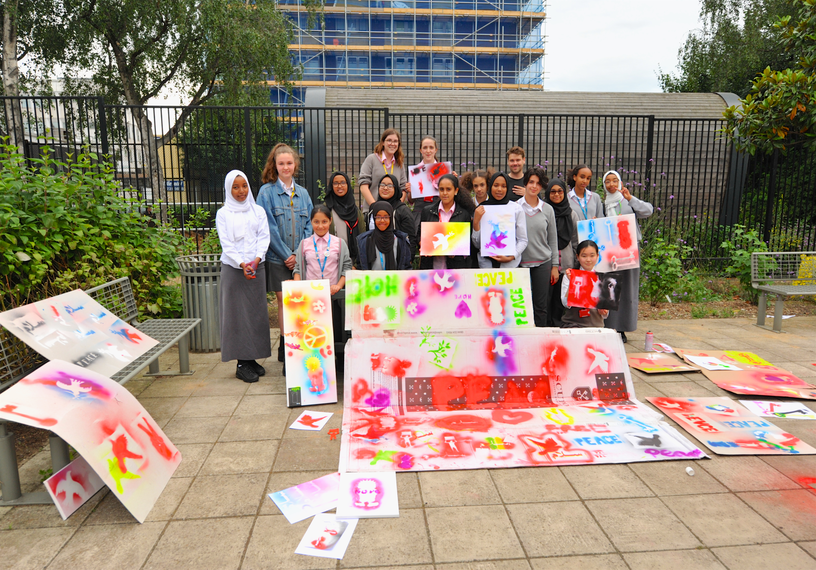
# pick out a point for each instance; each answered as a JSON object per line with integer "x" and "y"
{"x": 685, "y": 167}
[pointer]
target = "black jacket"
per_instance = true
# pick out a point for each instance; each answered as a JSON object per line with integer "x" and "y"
{"x": 431, "y": 214}
{"x": 403, "y": 249}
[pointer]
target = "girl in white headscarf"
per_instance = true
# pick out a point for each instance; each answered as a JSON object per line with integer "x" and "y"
{"x": 244, "y": 235}
{"x": 619, "y": 202}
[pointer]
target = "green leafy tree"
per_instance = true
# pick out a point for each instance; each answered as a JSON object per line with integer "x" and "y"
{"x": 736, "y": 42}
{"x": 779, "y": 113}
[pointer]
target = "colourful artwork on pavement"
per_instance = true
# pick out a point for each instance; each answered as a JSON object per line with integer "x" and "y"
{"x": 309, "y": 343}
{"x": 506, "y": 398}
{"x": 756, "y": 377}
{"x": 451, "y": 299}
{"x": 616, "y": 237}
{"x": 75, "y": 328}
{"x": 498, "y": 231}
{"x": 308, "y": 499}
{"x": 424, "y": 178}
{"x": 444, "y": 238}
{"x": 327, "y": 537}
{"x": 787, "y": 410}
{"x": 592, "y": 290}
{"x": 72, "y": 486}
{"x": 727, "y": 428}
{"x": 104, "y": 423}
{"x": 655, "y": 362}
{"x": 368, "y": 495}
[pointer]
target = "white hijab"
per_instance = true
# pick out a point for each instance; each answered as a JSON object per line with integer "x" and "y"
{"x": 613, "y": 200}
{"x": 241, "y": 220}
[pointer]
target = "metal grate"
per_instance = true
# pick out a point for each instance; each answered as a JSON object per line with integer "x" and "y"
{"x": 16, "y": 359}
{"x": 783, "y": 267}
{"x": 117, "y": 297}
{"x": 167, "y": 331}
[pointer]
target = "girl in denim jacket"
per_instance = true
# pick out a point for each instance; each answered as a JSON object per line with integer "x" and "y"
{"x": 287, "y": 206}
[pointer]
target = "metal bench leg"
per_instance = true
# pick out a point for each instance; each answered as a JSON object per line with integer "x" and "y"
{"x": 184, "y": 354}
{"x": 60, "y": 456}
{"x": 153, "y": 367}
{"x": 762, "y": 308}
{"x": 778, "y": 310}
{"x": 10, "y": 476}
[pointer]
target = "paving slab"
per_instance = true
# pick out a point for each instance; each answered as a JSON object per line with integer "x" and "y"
{"x": 558, "y": 529}
{"x": 458, "y": 488}
{"x": 792, "y": 512}
{"x": 747, "y": 473}
{"x": 248, "y": 428}
{"x": 673, "y": 559}
{"x": 486, "y": 565}
{"x": 195, "y": 430}
{"x": 532, "y": 485}
{"x": 211, "y": 544}
{"x": 31, "y": 548}
{"x": 605, "y": 481}
{"x": 223, "y": 496}
{"x": 762, "y": 557}
{"x": 90, "y": 547}
{"x": 241, "y": 457}
{"x": 447, "y": 525}
{"x": 671, "y": 478}
{"x": 390, "y": 542}
{"x": 273, "y": 543}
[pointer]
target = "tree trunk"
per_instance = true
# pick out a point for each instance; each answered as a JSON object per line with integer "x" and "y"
{"x": 11, "y": 76}
{"x": 151, "y": 163}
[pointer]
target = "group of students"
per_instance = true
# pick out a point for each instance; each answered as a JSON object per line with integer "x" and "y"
{"x": 283, "y": 236}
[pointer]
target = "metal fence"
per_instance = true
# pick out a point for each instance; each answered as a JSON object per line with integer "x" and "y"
{"x": 691, "y": 173}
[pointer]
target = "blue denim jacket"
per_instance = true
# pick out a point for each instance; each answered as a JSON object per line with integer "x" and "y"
{"x": 275, "y": 202}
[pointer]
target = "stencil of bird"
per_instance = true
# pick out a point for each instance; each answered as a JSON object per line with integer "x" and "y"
{"x": 70, "y": 488}
{"x": 75, "y": 387}
{"x": 601, "y": 361}
{"x": 653, "y": 441}
{"x": 443, "y": 280}
{"x": 441, "y": 240}
{"x": 501, "y": 347}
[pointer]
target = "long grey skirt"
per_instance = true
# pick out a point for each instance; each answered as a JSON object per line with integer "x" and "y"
{"x": 626, "y": 317}
{"x": 244, "y": 315}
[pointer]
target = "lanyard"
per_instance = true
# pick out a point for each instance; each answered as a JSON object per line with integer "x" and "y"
{"x": 393, "y": 161}
{"x": 585, "y": 205}
{"x": 325, "y": 255}
{"x": 382, "y": 259}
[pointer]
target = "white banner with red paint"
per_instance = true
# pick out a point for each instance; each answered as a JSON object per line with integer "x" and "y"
{"x": 506, "y": 398}
{"x": 104, "y": 423}
{"x": 616, "y": 237}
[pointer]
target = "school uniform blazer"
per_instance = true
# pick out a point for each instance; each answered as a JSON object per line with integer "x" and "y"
{"x": 403, "y": 249}
{"x": 431, "y": 214}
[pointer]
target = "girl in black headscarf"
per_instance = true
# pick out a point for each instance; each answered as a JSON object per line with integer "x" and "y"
{"x": 384, "y": 247}
{"x": 389, "y": 191}
{"x": 346, "y": 216}
{"x": 566, "y": 224}
{"x": 498, "y": 194}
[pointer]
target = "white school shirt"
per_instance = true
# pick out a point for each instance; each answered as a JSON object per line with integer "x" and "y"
{"x": 254, "y": 242}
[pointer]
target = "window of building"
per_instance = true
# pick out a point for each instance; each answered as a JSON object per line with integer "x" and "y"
{"x": 443, "y": 67}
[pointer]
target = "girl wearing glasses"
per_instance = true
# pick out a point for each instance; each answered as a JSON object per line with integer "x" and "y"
{"x": 402, "y": 216}
{"x": 387, "y": 158}
{"x": 566, "y": 229}
{"x": 345, "y": 215}
{"x": 384, "y": 248}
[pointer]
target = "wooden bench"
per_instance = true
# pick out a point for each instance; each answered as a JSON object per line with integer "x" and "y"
{"x": 17, "y": 360}
{"x": 782, "y": 274}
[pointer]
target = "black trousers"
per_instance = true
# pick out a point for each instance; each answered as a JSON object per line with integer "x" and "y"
{"x": 541, "y": 289}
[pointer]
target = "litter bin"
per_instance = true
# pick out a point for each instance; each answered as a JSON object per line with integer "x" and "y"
{"x": 200, "y": 291}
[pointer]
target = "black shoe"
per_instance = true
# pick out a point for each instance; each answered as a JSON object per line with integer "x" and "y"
{"x": 283, "y": 372}
{"x": 281, "y": 348}
{"x": 246, "y": 373}
{"x": 623, "y": 337}
{"x": 259, "y": 370}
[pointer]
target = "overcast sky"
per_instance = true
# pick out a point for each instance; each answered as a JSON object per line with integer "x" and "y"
{"x": 602, "y": 45}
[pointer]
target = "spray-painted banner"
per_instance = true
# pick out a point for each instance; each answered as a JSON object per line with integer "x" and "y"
{"x": 451, "y": 300}
{"x": 656, "y": 362}
{"x": 444, "y": 238}
{"x": 307, "y": 316}
{"x": 727, "y": 428}
{"x": 75, "y": 328}
{"x": 72, "y": 486}
{"x": 501, "y": 399}
{"x": 104, "y": 423}
{"x": 616, "y": 237}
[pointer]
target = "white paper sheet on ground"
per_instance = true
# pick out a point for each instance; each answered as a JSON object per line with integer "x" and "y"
{"x": 327, "y": 537}
{"x": 368, "y": 495}
{"x": 308, "y": 499}
{"x": 771, "y": 315}
{"x": 711, "y": 363}
{"x": 72, "y": 486}
{"x": 789, "y": 410}
{"x": 311, "y": 421}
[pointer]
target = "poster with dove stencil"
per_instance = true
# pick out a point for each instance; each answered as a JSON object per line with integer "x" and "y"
{"x": 445, "y": 238}
{"x": 498, "y": 235}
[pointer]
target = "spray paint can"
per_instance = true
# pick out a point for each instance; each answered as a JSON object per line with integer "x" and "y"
{"x": 649, "y": 342}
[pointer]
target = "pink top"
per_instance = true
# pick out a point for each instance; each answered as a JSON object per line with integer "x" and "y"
{"x": 388, "y": 163}
{"x": 439, "y": 261}
{"x": 314, "y": 259}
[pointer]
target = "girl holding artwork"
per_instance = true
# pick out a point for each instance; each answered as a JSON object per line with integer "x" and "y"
{"x": 619, "y": 202}
{"x": 384, "y": 248}
{"x": 541, "y": 253}
{"x": 450, "y": 206}
{"x": 387, "y": 158}
{"x": 244, "y": 235}
{"x": 499, "y": 195}
{"x": 566, "y": 226}
{"x": 577, "y": 317}
{"x": 345, "y": 215}
{"x": 586, "y": 203}
{"x": 287, "y": 206}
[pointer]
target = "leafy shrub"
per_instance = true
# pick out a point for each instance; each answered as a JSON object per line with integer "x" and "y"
{"x": 739, "y": 250}
{"x": 65, "y": 225}
{"x": 662, "y": 269}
